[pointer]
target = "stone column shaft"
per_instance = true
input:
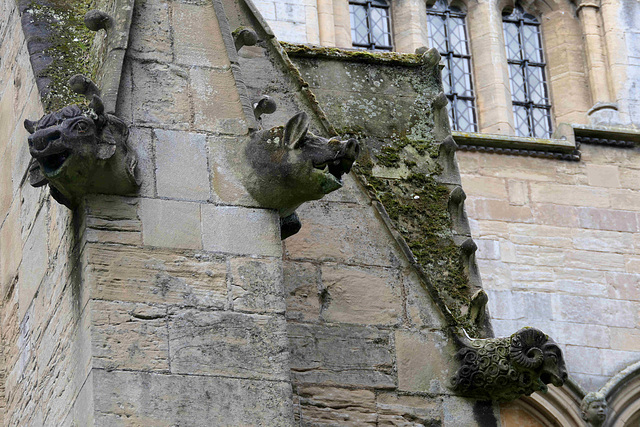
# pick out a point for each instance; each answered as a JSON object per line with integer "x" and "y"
{"x": 326, "y": 23}
{"x": 410, "y": 25}
{"x": 493, "y": 94}
{"x": 342, "y": 23}
{"x": 596, "y": 59}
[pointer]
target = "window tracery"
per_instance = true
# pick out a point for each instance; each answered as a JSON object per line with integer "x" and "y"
{"x": 370, "y": 24}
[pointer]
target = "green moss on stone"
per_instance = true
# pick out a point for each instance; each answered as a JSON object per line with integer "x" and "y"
{"x": 376, "y": 57}
{"x": 70, "y": 45}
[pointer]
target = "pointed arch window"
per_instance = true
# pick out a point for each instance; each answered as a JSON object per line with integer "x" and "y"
{"x": 370, "y": 24}
{"x": 529, "y": 90}
{"x": 448, "y": 34}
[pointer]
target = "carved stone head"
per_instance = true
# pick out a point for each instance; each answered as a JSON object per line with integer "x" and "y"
{"x": 506, "y": 368}
{"x": 289, "y": 165}
{"x": 79, "y": 150}
{"x": 594, "y": 409}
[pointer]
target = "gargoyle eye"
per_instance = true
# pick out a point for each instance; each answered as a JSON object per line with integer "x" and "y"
{"x": 81, "y": 126}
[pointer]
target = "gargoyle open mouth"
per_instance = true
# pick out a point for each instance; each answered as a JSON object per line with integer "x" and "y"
{"x": 334, "y": 168}
{"x": 53, "y": 162}
{"x": 548, "y": 377}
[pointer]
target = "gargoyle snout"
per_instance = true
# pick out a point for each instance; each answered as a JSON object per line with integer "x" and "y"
{"x": 43, "y": 138}
{"x": 351, "y": 150}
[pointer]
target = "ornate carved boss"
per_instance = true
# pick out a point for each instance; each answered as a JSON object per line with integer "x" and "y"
{"x": 289, "y": 166}
{"x": 504, "y": 369}
{"x": 79, "y": 150}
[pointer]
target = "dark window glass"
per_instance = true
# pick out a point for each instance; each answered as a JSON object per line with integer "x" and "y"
{"x": 370, "y": 24}
{"x": 448, "y": 34}
{"x": 529, "y": 94}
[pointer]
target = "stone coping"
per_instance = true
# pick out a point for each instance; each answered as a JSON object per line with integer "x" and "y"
{"x": 562, "y": 149}
{"x": 356, "y": 55}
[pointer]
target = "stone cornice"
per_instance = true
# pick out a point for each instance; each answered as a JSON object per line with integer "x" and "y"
{"x": 561, "y": 149}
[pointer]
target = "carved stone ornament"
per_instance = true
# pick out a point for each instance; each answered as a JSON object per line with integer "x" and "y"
{"x": 79, "y": 150}
{"x": 504, "y": 369}
{"x": 594, "y": 409}
{"x": 288, "y": 166}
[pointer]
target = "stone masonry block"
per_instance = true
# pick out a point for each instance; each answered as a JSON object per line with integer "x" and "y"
{"x": 623, "y": 286}
{"x": 584, "y": 360}
{"x": 161, "y": 95}
{"x": 396, "y": 410}
{"x": 267, "y": 9}
{"x": 581, "y": 334}
{"x": 337, "y": 406}
{"x": 341, "y": 355}
{"x": 425, "y": 361}
{"x": 604, "y": 241}
{"x": 129, "y": 336}
{"x": 541, "y": 235}
{"x": 181, "y": 165}
{"x": 197, "y": 37}
{"x": 256, "y": 285}
{"x": 328, "y": 234}
{"x": 499, "y": 210}
{"x": 241, "y": 230}
{"x": 625, "y": 200}
{"x": 225, "y": 156}
{"x": 603, "y": 175}
{"x": 170, "y": 224}
{"x": 550, "y": 214}
{"x": 217, "y": 104}
{"x": 625, "y": 339}
{"x": 613, "y": 361}
{"x": 228, "y": 344}
{"x": 488, "y": 249}
{"x": 33, "y": 266}
{"x": 608, "y": 219}
{"x": 150, "y": 36}
{"x": 164, "y": 400}
{"x": 301, "y": 283}
{"x": 290, "y": 12}
{"x": 420, "y": 307}
{"x": 485, "y": 187}
{"x": 569, "y": 195}
{"x": 593, "y": 310}
{"x": 365, "y": 296}
{"x": 10, "y": 249}
{"x": 603, "y": 261}
{"x": 147, "y": 275}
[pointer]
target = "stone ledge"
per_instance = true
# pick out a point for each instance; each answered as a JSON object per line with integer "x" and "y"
{"x": 355, "y": 55}
{"x": 561, "y": 149}
{"x": 604, "y": 135}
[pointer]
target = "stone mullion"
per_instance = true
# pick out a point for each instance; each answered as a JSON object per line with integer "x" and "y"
{"x": 409, "y": 25}
{"x": 326, "y": 23}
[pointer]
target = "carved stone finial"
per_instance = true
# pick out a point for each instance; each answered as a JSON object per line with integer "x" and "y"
{"x": 430, "y": 57}
{"x": 439, "y": 101}
{"x": 459, "y": 222}
{"x": 265, "y": 105}
{"x": 504, "y": 369}
{"x": 244, "y": 36}
{"x": 83, "y": 86}
{"x": 79, "y": 150}
{"x": 477, "y": 307}
{"x": 97, "y": 20}
{"x": 594, "y": 409}
{"x": 288, "y": 166}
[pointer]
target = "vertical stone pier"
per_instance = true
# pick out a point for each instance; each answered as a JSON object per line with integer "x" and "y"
{"x": 185, "y": 282}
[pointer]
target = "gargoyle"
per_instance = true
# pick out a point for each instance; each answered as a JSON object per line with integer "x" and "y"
{"x": 504, "y": 369}
{"x": 289, "y": 166}
{"x": 79, "y": 150}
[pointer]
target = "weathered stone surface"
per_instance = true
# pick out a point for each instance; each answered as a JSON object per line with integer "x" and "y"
{"x": 228, "y": 344}
{"x": 603, "y": 175}
{"x": 345, "y": 355}
{"x": 303, "y": 296}
{"x": 329, "y": 234}
{"x": 10, "y": 249}
{"x": 598, "y": 311}
{"x": 181, "y": 165}
{"x": 129, "y": 336}
{"x": 398, "y": 410}
{"x": 337, "y": 406}
{"x": 355, "y": 295}
{"x": 156, "y": 276}
{"x": 608, "y": 219}
{"x": 256, "y": 285}
{"x": 33, "y": 266}
{"x": 197, "y": 36}
{"x": 112, "y": 219}
{"x": 150, "y": 36}
{"x": 239, "y": 230}
{"x": 161, "y": 95}
{"x": 170, "y": 224}
{"x": 421, "y": 309}
{"x": 165, "y": 400}
{"x": 425, "y": 361}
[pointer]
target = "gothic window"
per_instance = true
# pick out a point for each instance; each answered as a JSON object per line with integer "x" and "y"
{"x": 529, "y": 93}
{"x": 448, "y": 34}
{"x": 370, "y": 24}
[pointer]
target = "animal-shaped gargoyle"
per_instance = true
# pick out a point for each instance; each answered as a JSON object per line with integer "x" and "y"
{"x": 79, "y": 150}
{"x": 289, "y": 166}
{"x": 504, "y": 369}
